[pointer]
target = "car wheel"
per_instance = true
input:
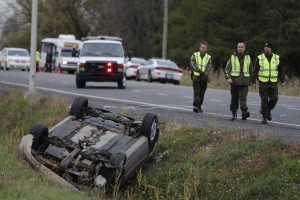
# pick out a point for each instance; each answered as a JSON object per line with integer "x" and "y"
{"x": 150, "y": 77}
{"x": 39, "y": 132}
{"x": 176, "y": 82}
{"x": 150, "y": 130}
{"x": 78, "y": 106}
{"x": 137, "y": 77}
{"x": 79, "y": 83}
{"x": 123, "y": 83}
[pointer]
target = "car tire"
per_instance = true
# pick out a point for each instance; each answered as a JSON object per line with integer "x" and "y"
{"x": 77, "y": 107}
{"x": 176, "y": 82}
{"x": 123, "y": 83}
{"x": 79, "y": 83}
{"x": 149, "y": 129}
{"x": 39, "y": 132}
{"x": 150, "y": 77}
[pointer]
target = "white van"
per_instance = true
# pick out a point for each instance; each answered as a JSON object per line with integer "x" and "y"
{"x": 101, "y": 60}
{"x": 66, "y": 52}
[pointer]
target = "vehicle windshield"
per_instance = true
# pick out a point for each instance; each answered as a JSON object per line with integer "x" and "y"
{"x": 102, "y": 50}
{"x": 68, "y": 53}
{"x": 18, "y": 53}
{"x": 166, "y": 63}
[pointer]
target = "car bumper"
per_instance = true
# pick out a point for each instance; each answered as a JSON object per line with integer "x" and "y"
{"x": 25, "y": 151}
{"x": 166, "y": 76}
{"x": 100, "y": 77}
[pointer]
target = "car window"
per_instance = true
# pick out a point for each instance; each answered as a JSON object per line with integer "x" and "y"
{"x": 18, "y": 53}
{"x": 102, "y": 50}
{"x": 68, "y": 53}
{"x": 166, "y": 63}
{"x": 139, "y": 62}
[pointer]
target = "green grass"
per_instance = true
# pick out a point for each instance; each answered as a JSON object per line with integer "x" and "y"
{"x": 189, "y": 162}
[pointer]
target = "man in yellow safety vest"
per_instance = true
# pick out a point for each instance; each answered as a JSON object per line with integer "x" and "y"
{"x": 268, "y": 70}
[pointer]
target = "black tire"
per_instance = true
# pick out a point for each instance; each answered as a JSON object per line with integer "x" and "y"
{"x": 77, "y": 107}
{"x": 176, "y": 82}
{"x": 39, "y": 132}
{"x": 79, "y": 83}
{"x": 149, "y": 129}
{"x": 123, "y": 83}
{"x": 150, "y": 77}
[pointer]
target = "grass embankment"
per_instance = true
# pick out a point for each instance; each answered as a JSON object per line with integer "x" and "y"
{"x": 189, "y": 163}
{"x": 218, "y": 81}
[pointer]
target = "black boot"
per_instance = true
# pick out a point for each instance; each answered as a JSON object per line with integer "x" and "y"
{"x": 195, "y": 109}
{"x": 269, "y": 116}
{"x": 245, "y": 114}
{"x": 264, "y": 119}
{"x": 200, "y": 109}
{"x": 234, "y": 116}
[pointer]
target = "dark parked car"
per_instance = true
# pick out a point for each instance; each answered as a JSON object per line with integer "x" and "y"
{"x": 91, "y": 147}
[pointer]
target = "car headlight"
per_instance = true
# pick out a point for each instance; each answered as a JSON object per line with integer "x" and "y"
{"x": 64, "y": 62}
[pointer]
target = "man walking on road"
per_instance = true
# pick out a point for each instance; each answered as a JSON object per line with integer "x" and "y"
{"x": 200, "y": 65}
{"x": 237, "y": 72}
{"x": 268, "y": 69}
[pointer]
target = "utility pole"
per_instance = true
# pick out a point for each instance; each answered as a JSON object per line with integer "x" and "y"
{"x": 165, "y": 30}
{"x": 32, "y": 95}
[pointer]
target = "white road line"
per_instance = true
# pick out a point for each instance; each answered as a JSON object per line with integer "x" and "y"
{"x": 137, "y": 102}
{"x": 161, "y": 94}
{"x": 217, "y": 100}
{"x": 187, "y": 97}
{"x": 293, "y": 108}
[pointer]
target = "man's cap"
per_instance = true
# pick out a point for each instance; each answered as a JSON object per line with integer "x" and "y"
{"x": 268, "y": 44}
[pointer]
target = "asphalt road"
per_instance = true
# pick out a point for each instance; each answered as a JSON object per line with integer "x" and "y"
{"x": 169, "y": 102}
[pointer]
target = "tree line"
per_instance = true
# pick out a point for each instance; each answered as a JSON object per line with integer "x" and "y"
{"x": 140, "y": 23}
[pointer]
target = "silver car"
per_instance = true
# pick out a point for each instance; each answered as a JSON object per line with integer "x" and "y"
{"x": 91, "y": 147}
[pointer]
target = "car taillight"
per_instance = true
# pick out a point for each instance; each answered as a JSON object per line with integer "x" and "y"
{"x": 82, "y": 65}
{"x": 120, "y": 67}
{"x": 134, "y": 66}
{"x": 161, "y": 68}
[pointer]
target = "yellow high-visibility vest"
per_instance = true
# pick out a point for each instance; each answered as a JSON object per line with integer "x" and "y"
{"x": 268, "y": 70}
{"x": 236, "y": 68}
{"x": 201, "y": 62}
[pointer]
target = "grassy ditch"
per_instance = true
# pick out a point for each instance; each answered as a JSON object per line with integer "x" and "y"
{"x": 189, "y": 162}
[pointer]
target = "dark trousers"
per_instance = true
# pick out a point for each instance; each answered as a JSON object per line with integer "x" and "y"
{"x": 238, "y": 97}
{"x": 48, "y": 67}
{"x": 268, "y": 93}
{"x": 199, "y": 88}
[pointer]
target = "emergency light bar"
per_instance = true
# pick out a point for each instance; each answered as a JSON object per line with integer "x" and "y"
{"x": 99, "y": 37}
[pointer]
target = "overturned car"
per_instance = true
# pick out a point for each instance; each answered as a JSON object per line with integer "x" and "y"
{"x": 91, "y": 147}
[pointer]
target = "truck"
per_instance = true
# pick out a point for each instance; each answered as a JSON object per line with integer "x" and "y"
{"x": 65, "y": 50}
{"x": 102, "y": 59}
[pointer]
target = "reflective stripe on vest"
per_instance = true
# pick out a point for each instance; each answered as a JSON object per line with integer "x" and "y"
{"x": 202, "y": 63}
{"x": 236, "y": 69}
{"x": 268, "y": 71}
